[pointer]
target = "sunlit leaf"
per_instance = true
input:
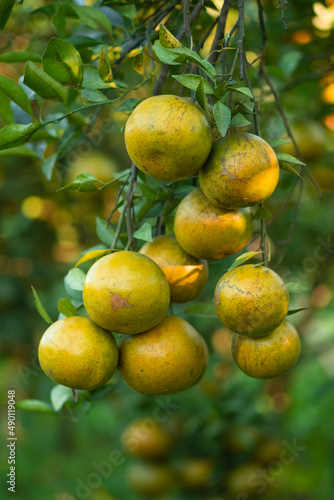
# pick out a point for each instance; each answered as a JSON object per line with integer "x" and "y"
{"x": 40, "y": 308}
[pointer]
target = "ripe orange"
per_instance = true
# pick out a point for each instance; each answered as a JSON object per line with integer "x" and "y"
{"x": 269, "y": 356}
{"x": 168, "y": 137}
{"x": 77, "y": 353}
{"x": 208, "y": 232}
{"x": 147, "y": 439}
{"x": 126, "y": 292}
{"x": 310, "y": 138}
{"x": 241, "y": 171}
{"x": 186, "y": 275}
{"x": 149, "y": 479}
{"x": 167, "y": 359}
{"x": 251, "y": 300}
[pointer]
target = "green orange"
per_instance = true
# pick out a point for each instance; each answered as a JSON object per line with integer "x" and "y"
{"x": 241, "y": 171}
{"x": 269, "y": 356}
{"x": 167, "y": 359}
{"x": 126, "y": 292}
{"x": 77, "y": 353}
{"x": 251, "y": 300}
{"x": 209, "y": 232}
{"x": 168, "y": 137}
{"x": 186, "y": 275}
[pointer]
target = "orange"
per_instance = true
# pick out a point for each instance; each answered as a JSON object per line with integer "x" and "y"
{"x": 310, "y": 138}
{"x": 147, "y": 439}
{"x": 186, "y": 275}
{"x": 269, "y": 356}
{"x": 149, "y": 479}
{"x": 241, "y": 171}
{"x": 77, "y": 353}
{"x": 168, "y": 137}
{"x": 167, "y": 359}
{"x": 208, "y": 232}
{"x": 251, "y": 300}
{"x": 194, "y": 473}
{"x": 126, "y": 292}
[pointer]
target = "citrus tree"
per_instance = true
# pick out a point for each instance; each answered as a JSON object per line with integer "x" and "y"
{"x": 193, "y": 102}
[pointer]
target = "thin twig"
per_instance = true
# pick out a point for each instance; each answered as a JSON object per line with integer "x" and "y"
{"x": 165, "y": 67}
{"x": 241, "y": 36}
{"x": 283, "y": 3}
{"x": 220, "y": 30}
{"x": 128, "y": 202}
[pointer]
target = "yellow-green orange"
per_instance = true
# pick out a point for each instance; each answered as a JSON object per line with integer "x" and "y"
{"x": 126, "y": 292}
{"x": 149, "y": 479}
{"x": 146, "y": 438}
{"x": 269, "y": 356}
{"x": 241, "y": 171}
{"x": 77, "y": 353}
{"x": 209, "y": 232}
{"x": 168, "y": 137}
{"x": 167, "y": 359}
{"x": 194, "y": 473}
{"x": 310, "y": 138}
{"x": 186, "y": 275}
{"x": 251, "y": 300}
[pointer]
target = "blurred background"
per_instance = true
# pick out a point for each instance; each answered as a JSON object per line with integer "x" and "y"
{"x": 230, "y": 437}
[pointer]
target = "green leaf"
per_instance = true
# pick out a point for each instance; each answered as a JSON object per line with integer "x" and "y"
{"x": 40, "y": 308}
{"x": 66, "y": 308}
{"x": 75, "y": 279}
{"x": 5, "y": 10}
{"x": 18, "y": 151}
{"x": 200, "y": 95}
{"x": 278, "y": 142}
{"x": 165, "y": 56}
{"x": 93, "y": 254}
{"x": 93, "y": 95}
{"x": 104, "y": 67}
{"x": 196, "y": 59}
{"x": 262, "y": 213}
{"x": 167, "y": 39}
{"x": 83, "y": 182}
{"x": 220, "y": 89}
{"x": 20, "y": 56}
{"x": 48, "y": 166}
{"x": 295, "y": 287}
{"x": 6, "y": 112}
{"x": 105, "y": 234}
{"x": 93, "y": 17}
{"x": 288, "y": 168}
{"x": 295, "y": 311}
{"x": 201, "y": 310}
{"x": 43, "y": 84}
{"x": 62, "y": 61}
{"x": 128, "y": 11}
{"x": 91, "y": 78}
{"x": 15, "y": 135}
{"x": 59, "y": 22}
{"x": 59, "y": 395}
{"x": 289, "y": 159}
{"x": 35, "y": 405}
{"x": 242, "y": 258}
{"x": 129, "y": 104}
{"x": 239, "y": 121}
{"x": 15, "y": 93}
{"x": 144, "y": 232}
{"x": 191, "y": 81}
{"x": 222, "y": 116}
{"x": 243, "y": 90}
{"x": 138, "y": 63}
{"x": 289, "y": 62}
